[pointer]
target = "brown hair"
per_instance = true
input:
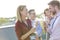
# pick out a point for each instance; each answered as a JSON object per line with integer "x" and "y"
{"x": 19, "y": 9}
{"x": 31, "y": 11}
{"x": 46, "y": 10}
{"x": 54, "y": 3}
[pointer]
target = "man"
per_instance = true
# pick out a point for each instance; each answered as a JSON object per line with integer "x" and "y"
{"x": 54, "y": 29}
{"x": 38, "y": 31}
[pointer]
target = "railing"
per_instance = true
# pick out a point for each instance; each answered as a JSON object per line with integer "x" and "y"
{"x": 7, "y": 32}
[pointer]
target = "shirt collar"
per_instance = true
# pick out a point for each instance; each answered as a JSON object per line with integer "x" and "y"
{"x": 57, "y": 14}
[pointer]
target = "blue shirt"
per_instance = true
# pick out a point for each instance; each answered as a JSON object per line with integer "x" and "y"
{"x": 38, "y": 28}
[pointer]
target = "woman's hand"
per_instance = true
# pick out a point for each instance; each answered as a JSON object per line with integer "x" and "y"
{"x": 36, "y": 23}
{"x": 23, "y": 37}
{"x": 27, "y": 34}
{"x": 32, "y": 30}
{"x": 45, "y": 26}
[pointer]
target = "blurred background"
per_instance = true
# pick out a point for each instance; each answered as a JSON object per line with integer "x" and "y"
{"x": 8, "y": 15}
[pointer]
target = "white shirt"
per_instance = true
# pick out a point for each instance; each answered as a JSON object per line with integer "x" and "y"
{"x": 55, "y": 30}
{"x": 38, "y": 28}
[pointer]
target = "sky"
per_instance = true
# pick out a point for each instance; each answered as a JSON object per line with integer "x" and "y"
{"x": 8, "y": 7}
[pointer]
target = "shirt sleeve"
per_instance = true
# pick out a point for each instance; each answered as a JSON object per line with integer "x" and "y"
{"x": 18, "y": 31}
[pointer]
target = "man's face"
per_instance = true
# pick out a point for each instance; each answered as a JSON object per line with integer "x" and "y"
{"x": 32, "y": 15}
{"x": 52, "y": 8}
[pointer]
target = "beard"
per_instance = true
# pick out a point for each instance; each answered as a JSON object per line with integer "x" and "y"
{"x": 54, "y": 12}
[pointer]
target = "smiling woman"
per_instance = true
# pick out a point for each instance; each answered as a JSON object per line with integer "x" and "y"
{"x": 23, "y": 26}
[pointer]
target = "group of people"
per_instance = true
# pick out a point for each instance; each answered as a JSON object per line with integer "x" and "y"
{"x": 52, "y": 24}
{"x": 28, "y": 28}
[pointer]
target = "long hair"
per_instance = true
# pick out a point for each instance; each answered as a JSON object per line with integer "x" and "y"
{"x": 19, "y": 9}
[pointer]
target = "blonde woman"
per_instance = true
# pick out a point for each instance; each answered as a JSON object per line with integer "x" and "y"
{"x": 23, "y": 26}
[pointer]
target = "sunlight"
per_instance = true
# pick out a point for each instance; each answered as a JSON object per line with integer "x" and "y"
{"x": 8, "y": 7}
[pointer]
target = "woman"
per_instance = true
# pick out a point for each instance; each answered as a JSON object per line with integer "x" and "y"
{"x": 49, "y": 16}
{"x": 23, "y": 26}
{"x": 47, "y": 21}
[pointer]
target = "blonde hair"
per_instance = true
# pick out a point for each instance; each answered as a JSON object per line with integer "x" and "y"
{"x": 19, "y": 9}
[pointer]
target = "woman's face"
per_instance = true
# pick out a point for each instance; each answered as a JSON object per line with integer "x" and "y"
{"x": 48, "y": 14}
{"x": 24, "y": 12}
